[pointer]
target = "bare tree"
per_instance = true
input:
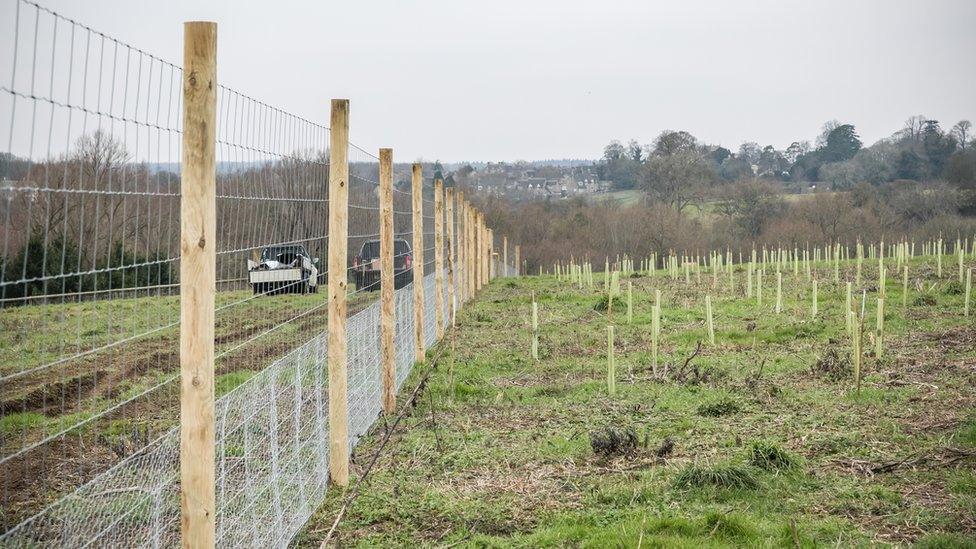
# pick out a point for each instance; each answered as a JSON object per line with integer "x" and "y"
{"x": 677, "y": 180}
{"x": 961, "y": 132}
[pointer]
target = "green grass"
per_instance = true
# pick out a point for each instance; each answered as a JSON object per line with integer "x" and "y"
{"x": 17, "y": 422}
{"x": 719, "y": 476}
{"x": 764, "y": 449}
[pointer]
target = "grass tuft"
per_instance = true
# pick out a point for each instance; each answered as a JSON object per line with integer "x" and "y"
{"x": 770, "y": 457}
{"x": 955, "y": 288}
{"x": 720, "y": 476}
{"x": 719, "y": 408}
{"x": 832, "y": 365}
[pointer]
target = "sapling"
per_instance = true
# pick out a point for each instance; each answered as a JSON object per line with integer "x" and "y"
{"x": 630, "y": 302}
{"x": 759, "y": 274}
{"x": 813, "y": 307}
{"x": 655, "y": 331}
{"x": 847, "y": 309}
{"x": 856, "y": 351}
{"x": 535, "y": 328}
{"x": 779, "y": 292}
{"x": 904, "y": 287}
{"x": 880, "y": 327}
{"x": 708, "y": 316}
{"x": 969, "y": 290}
{"x": 960, "y": 254}
{"x": 749, "y": 282}
{"x": 611, "y": 364}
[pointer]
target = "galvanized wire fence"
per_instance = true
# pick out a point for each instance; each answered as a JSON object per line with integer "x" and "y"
{"x": 90, "y": 194}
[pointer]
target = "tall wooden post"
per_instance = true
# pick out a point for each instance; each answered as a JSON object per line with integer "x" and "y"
{"x": 480, "y": 267}
{"x": 492, "y": 263}
{"x": 462, "y": 212}
{"x": 198, "y": 286}
{"x": 473, "y": 246}
{"x": 475, "y": 251}
{"x": 338, "y": 250}
{"x": 387, "y": 362}
{"x": 439, "y": 258}
{"x": 485, "y": 253}
{"x": 504, "y": 256}
{"x": 518, "y": 260}
{"x": 451, "y": 256}
{"x": 417, "y": 189}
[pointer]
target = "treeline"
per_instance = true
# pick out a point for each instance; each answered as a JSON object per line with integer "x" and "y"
{"x": 752, "y": 213}
{"x": 679, "y": 170}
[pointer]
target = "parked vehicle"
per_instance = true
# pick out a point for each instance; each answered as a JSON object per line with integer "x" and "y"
{"x": 284, "y": 269}
{"x": 366, "y": 265}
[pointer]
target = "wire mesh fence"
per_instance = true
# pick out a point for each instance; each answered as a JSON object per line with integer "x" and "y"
{"x": 90, "y": 194}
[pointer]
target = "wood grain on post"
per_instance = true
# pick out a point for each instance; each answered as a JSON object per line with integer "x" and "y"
{"x": 439, "y": 258}
{"x": 388, "y": 365}
{"x": 475, "y": 253}
{"x": 462, "y": 289}
{"x": 417, "y": 190}
{"x": 338, "y": 249}
{"x": 488, "y": 252}
{"x": 198, "y": 274}
{"x": 469, "y": 255}
{"x": 473, "y": 256}
{"x": 481, "y": 253}
{"x": 451, "y": 255}
{"x": 492, "y": 263}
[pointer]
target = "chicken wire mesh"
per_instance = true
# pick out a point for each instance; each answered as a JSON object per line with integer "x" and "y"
{"x": 272, "y": 453}
{"x": 89, "y": 297}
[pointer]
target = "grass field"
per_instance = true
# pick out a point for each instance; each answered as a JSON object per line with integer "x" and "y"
{"x": 759, "y": 440}
{"x": 103, "y": 379}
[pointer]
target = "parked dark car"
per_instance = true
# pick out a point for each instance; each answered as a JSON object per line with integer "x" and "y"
{"x": 366, "y": 265}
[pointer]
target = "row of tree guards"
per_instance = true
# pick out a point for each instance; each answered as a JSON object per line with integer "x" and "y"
{"x": 778, "y": 260}
{"x": 460, "y": 230}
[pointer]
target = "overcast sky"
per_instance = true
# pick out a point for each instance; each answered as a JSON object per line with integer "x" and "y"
{"x": 514, "y": 79}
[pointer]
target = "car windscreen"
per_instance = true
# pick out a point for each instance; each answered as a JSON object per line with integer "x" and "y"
{"x": 371, "y": 249}
{"x": 274, "y": 252}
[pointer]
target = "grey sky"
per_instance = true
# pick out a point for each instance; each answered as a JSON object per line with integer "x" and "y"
{"x": 506, "y": 80}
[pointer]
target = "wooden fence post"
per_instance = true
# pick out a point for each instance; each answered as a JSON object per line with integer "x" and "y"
{"x": 198, "y": 274}
{"x": 504, "y": 256}
{"x": 460, "y": 290}
{"x": 476, "y": 246}
{"x": 451, "y": 256}
{"x": 417, "y": 189}
{"x": 518, "y": 257}
{"x": 492, "y": 264}
{"x": 468, "y": 251}
{"x": 439, "y": 258}
{"x": 485, "y": 253}
{"x": 475, "y": 253}
{"x": 388, "y": 363}
{"x": 338, "y": 279}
